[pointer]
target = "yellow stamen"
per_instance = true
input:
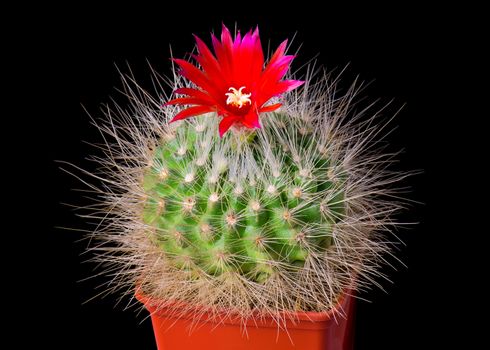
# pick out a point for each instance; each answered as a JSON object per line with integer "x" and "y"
{"x": 237, "y": 98}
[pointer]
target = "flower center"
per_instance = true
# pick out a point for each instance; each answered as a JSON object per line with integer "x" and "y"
{"x": 237, "y": 98}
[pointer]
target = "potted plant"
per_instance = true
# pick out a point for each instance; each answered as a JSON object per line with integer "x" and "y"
{"x": 246, "y": 211}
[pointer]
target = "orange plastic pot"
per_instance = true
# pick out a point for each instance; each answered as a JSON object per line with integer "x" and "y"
{"x": 310, "y": 331}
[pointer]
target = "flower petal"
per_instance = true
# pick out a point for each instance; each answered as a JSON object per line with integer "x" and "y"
{"x": 270, "y": 108}
{"x": 195, "y": 75}
{"x": 251, "y": 120}
{"x": 284, "y": 86}
{"x": 226, "y": 123}
{"x": 192, "y": 112}
{"x": 221, "y": 57}
{"x": 192, "y": 92}
{"x": 208, "y": 62}
{"x": 248, "y": 61}
{"x": 281, "y": 49}
{"x": 274, "y": 72}
{"x": 189, "y": 101}
{"x": 293, "y": 84}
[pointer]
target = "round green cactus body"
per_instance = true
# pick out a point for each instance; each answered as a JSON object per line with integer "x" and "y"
{"x": 248, "y": 203}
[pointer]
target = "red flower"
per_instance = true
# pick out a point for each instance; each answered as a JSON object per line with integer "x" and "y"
{"x": 233, "y": 81}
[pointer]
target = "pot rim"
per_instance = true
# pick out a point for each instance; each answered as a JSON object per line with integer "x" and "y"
{"x": 184, "y": 310}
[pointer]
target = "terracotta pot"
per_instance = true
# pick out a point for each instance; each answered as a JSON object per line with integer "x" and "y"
{"x": 310, "y": 330}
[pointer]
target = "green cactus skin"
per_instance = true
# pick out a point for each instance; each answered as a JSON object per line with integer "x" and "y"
{"x": 210, "y": 222}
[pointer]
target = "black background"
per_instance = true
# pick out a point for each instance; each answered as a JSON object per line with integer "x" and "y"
{"x": 404, "y": 52}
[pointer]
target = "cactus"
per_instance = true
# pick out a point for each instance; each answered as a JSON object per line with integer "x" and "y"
{"x": 267, "y": 220}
